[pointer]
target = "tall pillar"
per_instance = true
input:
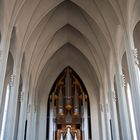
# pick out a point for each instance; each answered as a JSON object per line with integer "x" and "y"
{"x": 102, "y": 109}
{"x": 19, "y": 135}
{"x": 12, "y": 106}
{"x": 42, "y": 118}
{"x": 114, "y": 118}
{"x": 4, "y": 114}
{"x": 33, "y": 134}
{"x": 3, "y": 65}
{"x": 30, "y": 115}
{"x": 2, "y": 107}
{"x": 4, "y": 51}
{"x": 113, "y": 110}
{"x": 23, "y": 112}
{"x": 106, "y": 133}
{"x": 107, "y": 115}
{"x": 107, "y": 121}
{"x": 132, "y": 60}
{"x": 124, "y": 116}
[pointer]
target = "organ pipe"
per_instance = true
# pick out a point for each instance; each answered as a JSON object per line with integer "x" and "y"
{"x": 68, "y": 91}
{"x": 76, "y": 102}
{"x": 60, "y": 105}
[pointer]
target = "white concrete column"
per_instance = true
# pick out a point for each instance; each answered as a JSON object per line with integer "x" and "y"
{"x": 42, "y": 117}
{"x": 30, "y": 115}
{"x": 102, "y": 109}
{"x": 2, "y": 107}
{"x": 23, "y": 111}
{"x": 33, "y": 126}
{"x": 12, "y": 105}
{"x": 114, "y": 118}
{"x": 4, "y": 51}
{"x": 124, "y": 118}
{"x": 3, "y": 66}
{"x": 29, "y": 122}
{"x": 113, "y": 110}
{"x": 31, "y": 118}
{"x": 21, "y": 127}
{"x": 106, "y": 113}
{"x": 134, "y": 80}
{"x": 107, "y": 121}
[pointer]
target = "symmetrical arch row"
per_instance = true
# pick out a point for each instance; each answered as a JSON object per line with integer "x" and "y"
{"x": 99, "y": 40}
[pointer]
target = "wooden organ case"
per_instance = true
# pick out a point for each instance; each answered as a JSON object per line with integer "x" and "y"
{"x": 68, "y": 102}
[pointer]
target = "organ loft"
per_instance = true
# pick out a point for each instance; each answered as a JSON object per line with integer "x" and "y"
{"x": 68, "y": 101}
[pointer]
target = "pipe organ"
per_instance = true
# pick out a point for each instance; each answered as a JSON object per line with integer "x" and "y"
{"x": 68, "y": 106}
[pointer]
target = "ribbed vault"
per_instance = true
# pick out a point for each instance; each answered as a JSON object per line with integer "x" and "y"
{"x": 44, "y": 27}
{"x": 67, "y": 22}
{"x": 96, "y": 38}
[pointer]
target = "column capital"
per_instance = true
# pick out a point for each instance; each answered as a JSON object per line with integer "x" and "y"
{"x": 123, "y": 80}
{"x": 12, "y": 80}
{"x": 135, "y": 56}
{"x": 21, "y": 96}
{"x": 114, "y": 97}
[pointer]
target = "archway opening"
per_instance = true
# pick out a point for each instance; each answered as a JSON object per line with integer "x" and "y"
{"x": 68, "y": 112}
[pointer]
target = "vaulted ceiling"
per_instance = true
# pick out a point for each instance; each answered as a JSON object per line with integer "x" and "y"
{"x": 93, "y": 27}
